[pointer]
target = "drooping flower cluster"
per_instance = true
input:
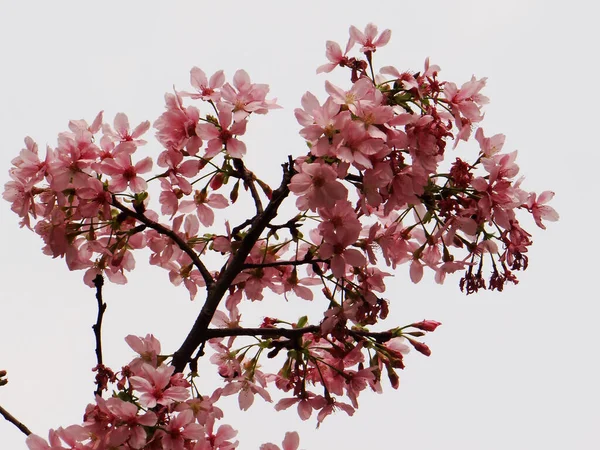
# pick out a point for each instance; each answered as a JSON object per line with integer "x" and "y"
{"x": 152, "y": 408}
{"x": 375, "y": 184}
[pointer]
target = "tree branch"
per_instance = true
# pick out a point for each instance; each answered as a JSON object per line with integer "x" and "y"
{"x": 197, "y": 334}
{"x": 208, "y": 279}
{"x": 291, "y": 333}
{"x": 12, "y": 419}
{"x": 284, "y": 263}
{"x": 97, "y": 327}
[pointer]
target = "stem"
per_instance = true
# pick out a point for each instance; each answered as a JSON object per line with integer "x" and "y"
{"x": 12, "y": 419}
{"x": 248, "y": 178}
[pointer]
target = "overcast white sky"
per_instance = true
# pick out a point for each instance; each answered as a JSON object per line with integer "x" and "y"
{"x": 515, "y": 370}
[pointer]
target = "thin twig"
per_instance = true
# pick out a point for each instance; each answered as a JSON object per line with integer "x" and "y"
{"x": 248, "y": 178}
{"x": 236, "y": 230}
{"x": 208, "y": 279}
{"x": 12, "y": 419}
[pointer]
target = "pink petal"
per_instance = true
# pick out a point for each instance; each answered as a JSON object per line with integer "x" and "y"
{"x": 291, "y": 441}
{"x": 140, "y": 129}
{"x": 143, "y": 166}
{"x": 245, "y": 399}
{"x": 235, "y": 148}
{"x": 545, "y": 197}
{"x": 121, "y": 124}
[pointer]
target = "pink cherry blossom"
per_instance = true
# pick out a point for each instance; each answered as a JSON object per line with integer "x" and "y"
{"x": 177, "y": 126}
{"x": 369, "y": 39}
{"x": 331, "y": 407}
{"x": 489, "y": 146}
{"x": 124, "y": 174}
{"x": 246, "y": 389}
{"x": 207, "y": 89}
{"x": 306, "y": 404}
{"x": 540, "y": 210}
{"x": 181, "y": 428}
{"x": 121, "y": 132}
{"x": 316, "y": 186}
{"x": 222, "y": 135}
{"x": 152, "y": 384}
{"x": 221, "y": 440}
{"x": 28, "y": 164}
{"x": 96, "y": 200}
{"x": 290, "y": 442}
{"x": 333, "y": 52}
{"x": 246, "y": 97}
{"x": 148, "y": 348}
{"x": 203, "y": 203}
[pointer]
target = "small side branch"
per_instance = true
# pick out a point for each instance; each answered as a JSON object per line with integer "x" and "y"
{"x": 249, "y": 178}
{"x": 12, "y": 419}
{"x": 208, "y": 279}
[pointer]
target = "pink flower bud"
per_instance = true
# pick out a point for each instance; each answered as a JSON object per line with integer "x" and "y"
{"x": 217, "y": 181}
{"x": 426, "y": 325}
{"x": 420, "y": 347}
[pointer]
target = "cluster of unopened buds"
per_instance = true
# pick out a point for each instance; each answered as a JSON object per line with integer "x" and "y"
{"x": 371, "y": 183}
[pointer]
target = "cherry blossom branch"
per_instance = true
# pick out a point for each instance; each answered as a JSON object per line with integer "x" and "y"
{"x": 97, "y": 327}
{"x": 284, "y": 263}
{"x": 291, "y": 333}
{"x": 12, "y": 419}
{"x": 197, "y": 334}
{"x": 208, "y": 279}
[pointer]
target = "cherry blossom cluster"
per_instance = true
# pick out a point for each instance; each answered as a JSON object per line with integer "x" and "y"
{"x": 387, "y": 136}
{"x": 374, "y": 190}
{"x": 151, "y": 408}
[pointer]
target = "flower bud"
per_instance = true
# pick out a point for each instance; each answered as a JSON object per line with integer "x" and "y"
{"x": 420, "y": 347}
{"x": 426, "y": 325}
{"x": 217, "y": 181}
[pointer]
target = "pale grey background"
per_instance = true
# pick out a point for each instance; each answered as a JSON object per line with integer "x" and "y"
{"x": 515, "y": 370}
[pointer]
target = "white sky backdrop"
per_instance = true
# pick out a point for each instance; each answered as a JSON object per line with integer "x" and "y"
{"x": 514, "y": 370}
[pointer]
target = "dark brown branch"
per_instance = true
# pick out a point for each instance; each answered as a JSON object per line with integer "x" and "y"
{"x": 354, "y": 178}
{"x": 208, "y": 279}
{"x": 97, "y": 327}
{"x": 284, "y": 263}
{"x": 291, "y": 333}
{"x": 197, "y": 334}
{"x": 12, "y": 419}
